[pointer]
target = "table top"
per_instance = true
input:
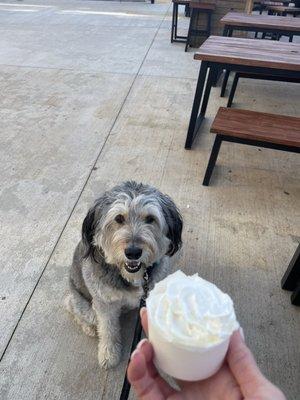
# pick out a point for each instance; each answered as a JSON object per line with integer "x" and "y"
{"x": 250, "y": 52}
{"x": 287, "y": 10}
{"x": 274, "y": 2}
{"x": 261, "y": 21}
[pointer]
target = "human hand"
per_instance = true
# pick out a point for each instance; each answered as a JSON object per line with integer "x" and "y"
{"x": 238, "y": 379}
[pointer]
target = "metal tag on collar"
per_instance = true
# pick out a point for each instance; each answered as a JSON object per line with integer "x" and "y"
{"x": 146, "y": 276}
{"x": 145, "y": 289}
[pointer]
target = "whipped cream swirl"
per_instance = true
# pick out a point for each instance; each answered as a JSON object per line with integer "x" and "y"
{"x": 190, "y": 311}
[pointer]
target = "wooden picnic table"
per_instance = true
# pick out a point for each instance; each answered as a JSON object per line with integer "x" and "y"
{"x": 235, "y": 21}
{"x": 283, "y": 11}
{"x": 241, "y": 55}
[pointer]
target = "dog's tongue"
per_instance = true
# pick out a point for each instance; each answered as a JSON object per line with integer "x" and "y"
{"x": 132, "y": 266}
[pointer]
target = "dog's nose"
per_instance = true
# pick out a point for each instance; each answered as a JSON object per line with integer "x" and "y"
{"x": 133, "y": 253}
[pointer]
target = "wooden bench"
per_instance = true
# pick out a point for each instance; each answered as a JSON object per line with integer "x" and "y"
{"x": 197, "y": 8}
{"x": 193, "y": 9}
{"x": 272, "y": 131}
{"x": 174, "y": 36}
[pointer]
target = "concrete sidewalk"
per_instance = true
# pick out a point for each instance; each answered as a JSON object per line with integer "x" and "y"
{"x": 93, "y": 93}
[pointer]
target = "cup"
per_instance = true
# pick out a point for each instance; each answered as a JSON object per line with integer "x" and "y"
{"x": 184, "y": 362}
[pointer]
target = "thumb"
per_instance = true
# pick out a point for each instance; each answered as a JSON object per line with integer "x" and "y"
{"x": 243, "y": 365}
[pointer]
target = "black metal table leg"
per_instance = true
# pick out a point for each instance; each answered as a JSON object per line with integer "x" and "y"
{"x": 291, "y": 278}
{"x": 224, "y": 83}
{"x": 173, "y": 23}
{"x": 212, "y": 160}
{"x": 233, "y": 89}
{"x": 176, "y": 19}
{"x": 295, "y": 297}
{"x": 210, "y": 80}
{"x": 292, "y": 274}
{"x": 196, "y": 104}
{"x": 187, "y": 10}
{"x": 225, "y": 30}
{"x": 190, "y": 30}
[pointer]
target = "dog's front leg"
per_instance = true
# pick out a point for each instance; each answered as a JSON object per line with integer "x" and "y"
{"x": 108, "y": 326}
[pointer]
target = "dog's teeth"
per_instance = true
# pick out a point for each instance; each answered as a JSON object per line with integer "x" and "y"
{"x": 132, "y": 267}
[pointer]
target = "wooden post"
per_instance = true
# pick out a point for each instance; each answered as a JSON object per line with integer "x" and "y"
{"x": 249, "y": 6}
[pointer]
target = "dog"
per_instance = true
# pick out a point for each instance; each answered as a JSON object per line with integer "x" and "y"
{"x": 130, "y": 229}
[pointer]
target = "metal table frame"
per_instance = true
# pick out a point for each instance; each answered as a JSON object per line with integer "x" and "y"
{"x": 291, "y": 279}
{"x": 174, "y": 36}
{"x": 250, "y": 142}
{"x": 228, "y": 30}
{"x": 239, "y": 75}
{"x": 195, "y": 31}
{"x": 203, "y": 89}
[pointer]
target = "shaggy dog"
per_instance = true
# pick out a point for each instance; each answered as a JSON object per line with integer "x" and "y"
{"x": 131, "y": 228}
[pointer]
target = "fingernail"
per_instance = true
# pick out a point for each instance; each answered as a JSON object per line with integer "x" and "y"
{"x": 242, "y": 333}
{"x": 141, "y": 343}
{"x": 134, "y": 354}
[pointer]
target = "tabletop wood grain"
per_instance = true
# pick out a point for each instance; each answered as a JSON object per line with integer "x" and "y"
{"x": 261, "y": 21}
{"x": 250, "y": 52}
{"x": 279, "y": 129}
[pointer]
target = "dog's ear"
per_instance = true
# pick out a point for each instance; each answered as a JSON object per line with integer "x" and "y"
{"x": 91, "y": 222}
{"x": 174, "y": 222}
{"x": 88, "y": 231}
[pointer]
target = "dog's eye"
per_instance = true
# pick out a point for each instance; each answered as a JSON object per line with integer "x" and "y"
{"x": 149, "y": 219}
{"x": 120, "y": 219}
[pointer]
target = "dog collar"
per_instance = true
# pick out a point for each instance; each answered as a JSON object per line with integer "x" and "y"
{"x": 150, "y": 269}
{"x": 146, "y": 276}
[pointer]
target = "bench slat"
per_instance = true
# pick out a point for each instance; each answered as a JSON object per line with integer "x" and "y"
{"x": 245, "y": 124}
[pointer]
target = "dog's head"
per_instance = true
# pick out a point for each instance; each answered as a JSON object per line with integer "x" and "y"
{"x": 133, "y": 226}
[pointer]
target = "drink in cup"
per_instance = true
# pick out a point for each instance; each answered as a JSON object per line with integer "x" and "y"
{"x": 190, "y": 324}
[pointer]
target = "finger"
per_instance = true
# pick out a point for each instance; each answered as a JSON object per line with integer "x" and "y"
{"x": 243, "y": 365}
{"x": 146, "y": 348}
{"x": 145, "y": 387}
{"x": 144, "y": 319}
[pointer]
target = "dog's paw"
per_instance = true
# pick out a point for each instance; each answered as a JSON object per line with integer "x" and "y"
{"x": 109, "y": 355}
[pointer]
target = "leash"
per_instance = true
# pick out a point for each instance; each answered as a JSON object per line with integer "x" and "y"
{"x": 137, "y": 334}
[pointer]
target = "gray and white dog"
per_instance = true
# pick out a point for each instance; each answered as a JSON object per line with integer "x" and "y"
{"x": 131, "y": 228}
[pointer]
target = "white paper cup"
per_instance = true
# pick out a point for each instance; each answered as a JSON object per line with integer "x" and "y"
{"x": 186, "y": 363}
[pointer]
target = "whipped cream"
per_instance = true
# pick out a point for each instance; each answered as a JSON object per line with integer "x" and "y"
{"x": 190, "y": 311}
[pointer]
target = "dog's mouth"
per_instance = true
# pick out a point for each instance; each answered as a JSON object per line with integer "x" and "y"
{"x": 133, "y": 266}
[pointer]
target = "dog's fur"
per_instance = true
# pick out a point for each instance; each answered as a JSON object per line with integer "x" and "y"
{"x": 101, "y": 286}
